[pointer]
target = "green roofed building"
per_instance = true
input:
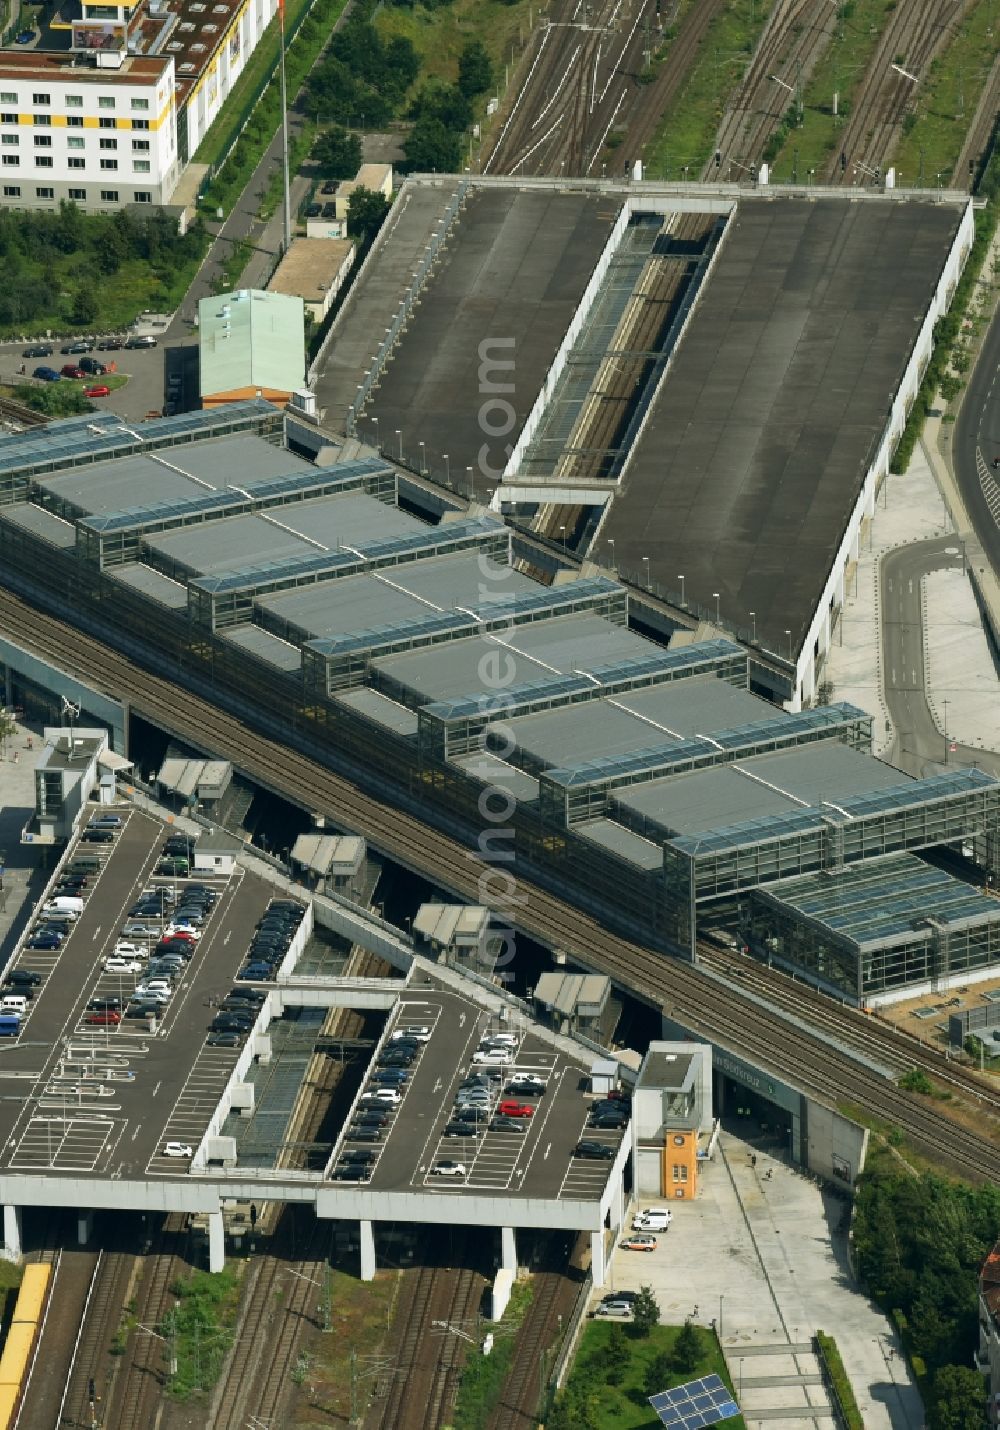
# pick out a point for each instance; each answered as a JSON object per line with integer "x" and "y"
{"x": 252, "y": 344}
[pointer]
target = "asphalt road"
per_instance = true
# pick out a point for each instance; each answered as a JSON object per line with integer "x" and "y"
{"x": 978, "y": 427}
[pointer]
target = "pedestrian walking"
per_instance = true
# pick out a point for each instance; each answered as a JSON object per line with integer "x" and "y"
{"x": 753, "y": 1160}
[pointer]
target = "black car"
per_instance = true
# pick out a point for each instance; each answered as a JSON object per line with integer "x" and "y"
{"x": 23, "y": 976}
{"x": 597, "y": 1151}
{"x": 363, "y": 1133}
{"x": 313, "y": 211}
{"x": 506, "y": 1124}
{"x": 355, "y": 1154}
{"x": 91, "y": 365}
{"x": 396, "y": 1060}
{"x": 460, "y": 1129}
{"x": 98, "y": 1003}
{"x": 607, "y": 1122}
{"x": 237, "y": 1006}
{"x": 247, "y": 995}
{"x": 110, "y": 345}
{"x": 227, "y": 1024}
{"x": 39, "y": 350}
{"x": 371, "y": 1118}
{"x": 224, "y": 1040}
{"x": 471, "y": 1114}
{"x": 287, "y": 904}
{"x": 142, "y": 1009}
{"x": 80, "y": 345}
{"x": 352, "y": 1172}
{"x": 97, "y": 836}
{"x": 629, "y": 1296}
{"x": 330, "y": 187}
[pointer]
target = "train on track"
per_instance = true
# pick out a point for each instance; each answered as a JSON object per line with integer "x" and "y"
{"x": 22, "y": 1338}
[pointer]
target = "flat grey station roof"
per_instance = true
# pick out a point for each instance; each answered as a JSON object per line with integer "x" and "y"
{"x": 178, "y": 473}
{"x": 464, "y": 667}
{"x": 636, "y": 720}
{"x": 779, "y": 783}
{"x": 397, "y": 593}
{"x": 300, "y": 529}
{"x": 512, "y": 273}
{"x": 768, "y": 420}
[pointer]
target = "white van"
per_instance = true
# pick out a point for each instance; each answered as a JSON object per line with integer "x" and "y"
{"x": 64, "y": 904}
{"x": 13, "y": 1003}
{"x": 652, "y": 1219}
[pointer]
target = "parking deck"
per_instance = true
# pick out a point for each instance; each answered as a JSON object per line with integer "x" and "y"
{"x": 536, "y": 1162}
{"x": 103, "y": 1100}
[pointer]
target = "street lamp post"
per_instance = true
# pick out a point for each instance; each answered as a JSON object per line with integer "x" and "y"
{"x": 945, "y": 703}
{"x": 681, "y": 580}
{"x": 447, "y": 469}
{"x": 753, "y": 626}
{"x": 789, "y": 635}
{"x": 646, "y": 563}
{"x": 716, "y": 596}
{"x": 611, "y": 543}
{"x": 399, "y": 435}
{"x": 423, "y": 458}
{"x": 378, "y": 443}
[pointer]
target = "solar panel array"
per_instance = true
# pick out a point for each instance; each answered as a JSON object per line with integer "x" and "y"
{"x": 695, "y": 1404}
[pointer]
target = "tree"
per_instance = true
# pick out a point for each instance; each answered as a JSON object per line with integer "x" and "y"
{"x": 645, "y": 1312}
{"x": 366, "y": 213}
{"x": 445, "y": 102}
{"x": 475, "y": 71}
{"x": 433, "y": 149}
{"x": 658, "y": 1373}
{"x": 687, "y": 1348}
{"x": 83, "y": 310}
{"x": 615, "y": 1356}
{"x": 337, "y": 153}
{"x": 958, "y": 1399}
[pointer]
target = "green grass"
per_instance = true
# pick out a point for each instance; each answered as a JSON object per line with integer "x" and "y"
{"x": 625, "y": 1406}
{"x": 851, "y": 1416}
{"x": 201, "y": 1327}
{"x": 438, "y": 36}
{"x": 360, "y": 1312}
{"x": 259, "y": 67}
{"x": 841, "y": 69}
{"x": 946, "y": 101}
{"x": 483, "y": 1376}
{"x": 686, "y": 135}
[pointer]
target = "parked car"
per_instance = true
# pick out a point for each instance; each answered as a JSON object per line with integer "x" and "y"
{"x": 38, "y": 350}
{"x": 70, "y": 370}
{"x": 636, "y": 1242}
{"x": 104, "y": 1017}
{"x": 596, "y": 1151}
{"x": 78, "y": 345}
{"x": 418, "y": 1031}
{"x": 47, "y": 941}
{"x": 389, "y": 1077}
{"x": 382, "y": 1094}
{"x": 496, "y": 1055}
{"x": 93, "y": 366}
{"x": 506, "y": 1124}
{"x": 141, "y": 341}
{"x": 448, "y": 1168}
{"x": 372, "y": 1117}
{"x": 135, "y": 929}
{"x": 620, "y": 1310}
{"x": 110, "y": 345}
{"x": 23, "y": 975}
{"x": 24, "y": 37}
{"x": 97, "y": 836}
{"x": 101, "y": 390}
{"x": 607, "y": 1122}
{"x": 255, "y": 971}
{"x": 360, "y": 1133}
{"x": 352, "y": 1172}
{"x": 46, "y": 374}
{"x": 178, "y": 1149}
{"x": 652, "y": 1219}
{"x": 526, "y": 1085}
{"x": 509, "y": 1108}
{"x": 460, "y": 1129}
{"x": 122, "y": 965}
{"x": 224, "y": 1040}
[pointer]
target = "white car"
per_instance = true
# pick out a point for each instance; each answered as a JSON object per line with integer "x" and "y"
{"x": 188, "y": 930}
{"x": 178, "y": 1149}
{"x": 117, "y": 964}
{"x": 496, "y": 1055}
{"x": 382, "y": 1094}
{"x": 129, "y": 950}
{"x": 418, "y": 1031}
{"x": 652, "y": 1219}
{"x": 152, "y": 995}
{"x": 448, "y": 1169}
{"x": 505, "y": 1040}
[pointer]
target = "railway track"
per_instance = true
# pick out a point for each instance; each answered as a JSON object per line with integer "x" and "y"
{"x": 796, "y": 35}
{"x": 915, "y": 32}
{"x": 653, "y": 101}
{"x": 91, "y": 1359}
{"x": 538, "y": 1340}
{"x": 143, "y": 1369}
{"x": 806, "y": 1062}
{"x": 981, "y": 130}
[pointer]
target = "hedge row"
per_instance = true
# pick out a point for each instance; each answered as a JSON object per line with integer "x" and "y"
{"x": 836, "y": 1375}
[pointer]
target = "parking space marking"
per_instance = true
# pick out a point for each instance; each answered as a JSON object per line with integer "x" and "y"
{"x": 71, "y": 1142}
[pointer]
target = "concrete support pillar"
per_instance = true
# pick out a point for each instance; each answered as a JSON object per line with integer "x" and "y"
{"x": 617, "y": 1202}
{"x": 508, "y": 1249}
{"x": 12, "y": 1233}
{"x": 216, "y": 1242}
{"x": 597, "y": 1264}
{"x": 367, "y": 1251}
{"x": 84, "y": 1227}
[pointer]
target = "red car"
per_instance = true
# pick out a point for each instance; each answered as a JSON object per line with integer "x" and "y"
{"x": 70, "y": 371}
{"x": 515, "y": 1109}
{"x": 100, "y": 391}
{"x": 105, "y": 1018}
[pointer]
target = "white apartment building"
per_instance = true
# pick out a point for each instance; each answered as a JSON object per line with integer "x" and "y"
{"x": 72, "y": 129}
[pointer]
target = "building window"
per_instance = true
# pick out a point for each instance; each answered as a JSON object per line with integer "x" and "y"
{"x": 75, "y": 142}
{"x": 43, "y": 141}
{"x": 109, "y": 143}
{"x": 108, "y": 123}
{"x": 78, "y": 193}
{"x": 43, "y": 161}
{"x": 74, "y": 101}
{"x": 43, "y": 120}
{"x": 141, "y": 197}
{"x": 140, "y": 104}
{"x": 7, "y": 96}
{"x": 8, "y": 118}
{"x": 106, "y": 101}
{"x": 12, "y": 191}
{"x": 140, "y": 123}
{"x": 77, "y": 163}
{"x": 141, "y": 166}
{"x": 9, "y": 139}
{"x": 11, "y": 160}
{"x": 43, "y": 192}
{"x": 40, "y": 99}
{"x": 74, "y": 121}
{"x": 109, "y": 196}
{"x": 140, "y": 146}
{"x": 109, "y": 163}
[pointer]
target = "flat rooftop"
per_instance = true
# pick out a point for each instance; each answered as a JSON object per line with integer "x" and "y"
{"x": 128, "y": 484}
{"x": 759, "y": 441}
{"x": 883, "y": 901}
{"x": 302, "y": 529}
{"x": 508, "y": 281}
{"x": 786, "y": 782}
{"x": 462, "y": 667}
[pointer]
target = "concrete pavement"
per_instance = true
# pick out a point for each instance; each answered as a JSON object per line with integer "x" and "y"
{"x": 762, "y": 1252}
